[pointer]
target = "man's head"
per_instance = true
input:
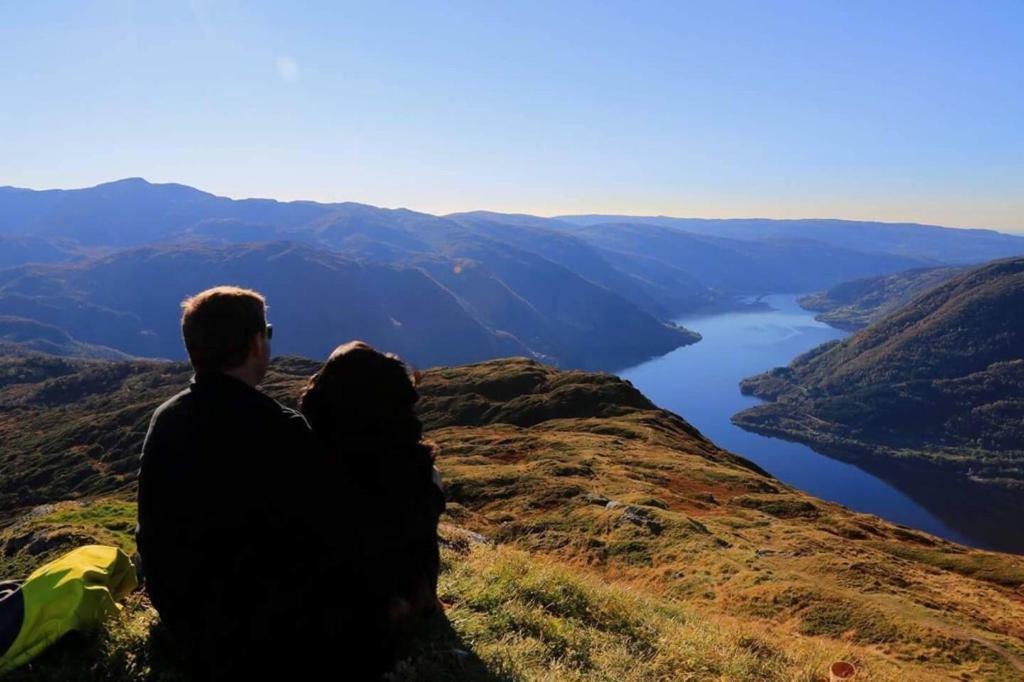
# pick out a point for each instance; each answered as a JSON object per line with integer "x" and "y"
{"x": 225, "y": 330}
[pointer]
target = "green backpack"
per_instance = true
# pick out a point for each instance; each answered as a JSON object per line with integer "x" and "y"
{"x": 74, "y": 592}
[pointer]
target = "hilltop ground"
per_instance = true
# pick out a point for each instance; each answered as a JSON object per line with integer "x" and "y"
{"x": 589, "y": 536}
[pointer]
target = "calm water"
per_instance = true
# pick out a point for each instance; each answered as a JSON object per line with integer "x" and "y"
{"x": 701, "y": 383}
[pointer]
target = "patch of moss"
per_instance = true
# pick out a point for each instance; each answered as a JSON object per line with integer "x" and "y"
{"x": 779, "y": 506}
{"x": 1000, "y": 569}
{"x": 836, "y": 618}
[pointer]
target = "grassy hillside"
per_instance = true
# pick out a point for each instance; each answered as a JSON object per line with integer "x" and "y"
{"x": 941, "y": 379}
{"x": 589, "y": 535}
{"x": 854, "y": 305}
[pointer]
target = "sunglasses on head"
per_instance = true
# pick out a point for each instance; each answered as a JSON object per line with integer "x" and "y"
{"x": 270, "y": 332}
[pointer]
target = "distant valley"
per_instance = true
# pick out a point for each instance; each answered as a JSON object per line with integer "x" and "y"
{"x": 588, "y": 292}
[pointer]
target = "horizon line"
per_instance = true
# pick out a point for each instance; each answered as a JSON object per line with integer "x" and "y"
{"x": 1014, "y": 232}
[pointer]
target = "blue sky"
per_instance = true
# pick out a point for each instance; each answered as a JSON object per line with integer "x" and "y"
{"x": 875, "y": 110}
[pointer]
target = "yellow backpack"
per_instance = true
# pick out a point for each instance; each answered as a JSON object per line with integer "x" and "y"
{"x": 74, "y": 592}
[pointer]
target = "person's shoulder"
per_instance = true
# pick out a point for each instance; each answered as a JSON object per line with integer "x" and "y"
{"x": 167, "y": 420}
{"x": 282, "y": 413}
{"x": 271, "y": 404}
{"x": 175, "y": 404}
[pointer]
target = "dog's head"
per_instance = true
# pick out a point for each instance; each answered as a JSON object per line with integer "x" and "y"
{"x": 361, "y": 392}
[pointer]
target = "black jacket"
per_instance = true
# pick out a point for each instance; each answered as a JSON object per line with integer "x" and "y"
{"x": 234, "y": 525}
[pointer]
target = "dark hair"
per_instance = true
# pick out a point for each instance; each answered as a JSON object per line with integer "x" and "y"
{"x": 218, "y": 325}
{"x": 361, "y": 400}
{"x": 361, "y": 404}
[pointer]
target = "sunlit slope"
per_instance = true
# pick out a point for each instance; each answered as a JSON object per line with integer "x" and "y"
{"x": 856, "y": 304}
{"x": 940, "y": 380}
{"x": 617, "y": 542}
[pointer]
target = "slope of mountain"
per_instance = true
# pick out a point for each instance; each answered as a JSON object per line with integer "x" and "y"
{"x": 578, "y": 309}
{"x": 927, "y": 242}
{"x": 319, "y": 298}
{"x": 132, "y": 211}
{"x": 671, "y": 254}
{"x": 941, "y": 379}
{"x": 129, "y": 301}
{"x": 19, "y": 336}
{"x": 854, "y": 305}
{"x": 589, "y": 535}
{"x": 601, "y": 327}
{"x": 19, "y": 249}
{"x": 626, "y": 279}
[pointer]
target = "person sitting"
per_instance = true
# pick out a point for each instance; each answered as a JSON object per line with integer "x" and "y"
{"x": 231, "y": 513}
{"x": 361, "y": 405}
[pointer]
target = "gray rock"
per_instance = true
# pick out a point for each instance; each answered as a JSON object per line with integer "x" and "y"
{"x": 644, "y": 518}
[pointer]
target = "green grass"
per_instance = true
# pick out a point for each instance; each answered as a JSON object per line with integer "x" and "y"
{"x": 1000, "y": 569}
{"x": 511, "y": 615}
{"x": 837, "y": 618}
{"x": 51, "y": 530}
{"x": 116, "y": 517}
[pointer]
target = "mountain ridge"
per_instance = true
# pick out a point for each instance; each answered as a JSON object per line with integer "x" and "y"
{"x": 856, "y": 304}
{"x": 396, "y": 306}
{"x": 600, "y": 297}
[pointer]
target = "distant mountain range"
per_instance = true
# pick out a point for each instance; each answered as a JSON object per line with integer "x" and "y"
{"x": 931, "y": 242}
{"x": 941, "y": 379}
{"x": 129, "y": 300}
{"x": 854, "y": 305}
{"x": 579, "y": 291}
{"x": 753, "y": 266}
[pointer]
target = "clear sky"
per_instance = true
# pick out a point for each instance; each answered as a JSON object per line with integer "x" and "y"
{"x": 889, "y": 110}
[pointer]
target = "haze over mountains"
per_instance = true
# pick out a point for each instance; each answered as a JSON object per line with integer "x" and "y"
{"x": 946, "y": 244}
{"x": 108, "y": 265}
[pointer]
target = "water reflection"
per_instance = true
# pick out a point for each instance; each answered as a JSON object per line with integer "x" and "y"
{"x": 986, "y": 516}
{"x": 701, "y": 383}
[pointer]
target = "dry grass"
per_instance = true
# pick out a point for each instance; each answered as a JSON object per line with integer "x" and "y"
{"x": 628, "y": 547}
